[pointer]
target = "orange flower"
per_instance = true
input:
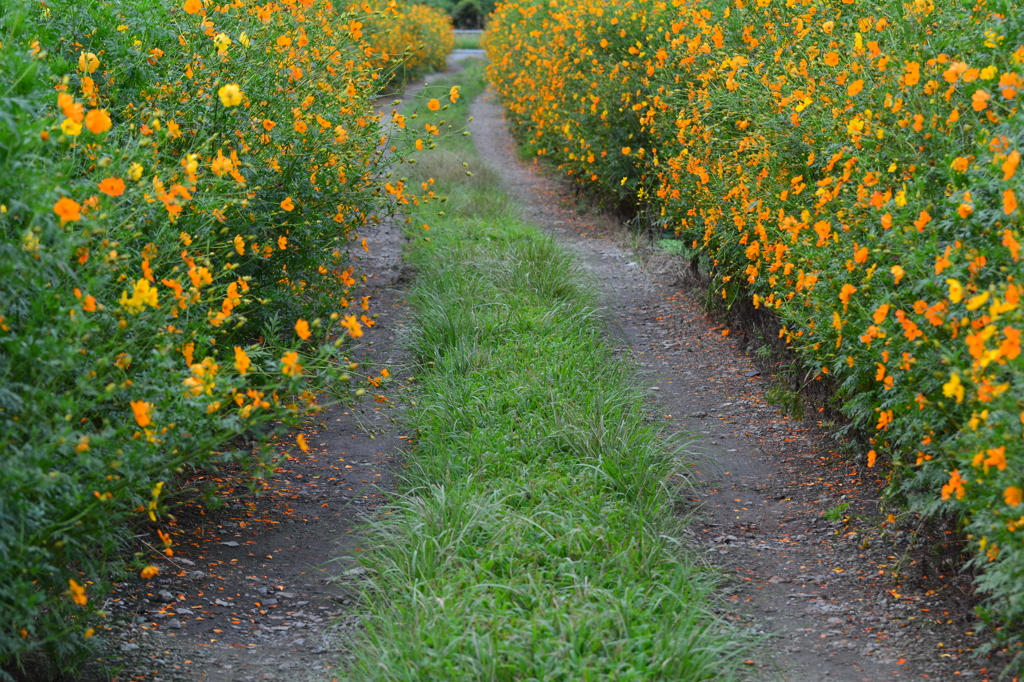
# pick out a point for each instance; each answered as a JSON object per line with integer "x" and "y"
{"x": 1013, "y": 496}
{"x": 300, "y": 440}
{"x": 68, "y": 210}
{"x": 97, "y": 121}
{"x": 355, "y": 330}
{"x": 302, "y": 329}
{"x": 955, "y": 486}
{"x": 844, "y": 295}
{"x": 290, "y": 364}
{"x": 239, "y": 245}
{"x": 979, "y": 100}
{"x": 221, "y": 164}
{"x": 996, "y": 458}
{"x": 288, "y": 204}
{"x": 113, "y": 187}
{"x": 1009, "y": 202}
{"x": 67, "y": 105}
{"x": 193, "y": 6}
{"x": 141, "y": 409}
{"x": 884, "y": 419}
{"x": 242, "y": 362}
{"x": 88, "y": 62}
{"x": 1010, "y": 347}
{"x": 268, "y": 125}
{"x": 282, "y": 243}
{"x": 453, "y": 94}
{"x": 77, "y": 592}
{"x": 1009, "y": 166}
{"x": 855, "y": 87}
{"x": 150, "y": 571}
{"x": 872, "y": 455}
{"x": 433, "y": 105}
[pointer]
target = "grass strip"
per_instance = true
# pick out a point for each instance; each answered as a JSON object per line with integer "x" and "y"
{"x": 467, "y": 41}
{"x": 534, "y": 538}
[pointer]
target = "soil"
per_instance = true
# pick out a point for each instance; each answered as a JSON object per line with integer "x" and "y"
{"x": 843, "y": 596}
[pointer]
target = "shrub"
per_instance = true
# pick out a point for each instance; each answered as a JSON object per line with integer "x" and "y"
{"x": 412, "y": 40}
{"x": 851, "y": 166}
{"x": 181, "y": 184}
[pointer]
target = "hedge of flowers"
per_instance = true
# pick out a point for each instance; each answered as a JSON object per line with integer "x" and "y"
{"x": 850, "y": 165}
{"x": 181, "y": 183}
{"x": 413, "y": 41}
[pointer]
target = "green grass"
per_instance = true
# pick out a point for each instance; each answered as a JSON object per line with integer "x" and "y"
{"x": 465, "y": 41}
{"x": 534, "y": 538}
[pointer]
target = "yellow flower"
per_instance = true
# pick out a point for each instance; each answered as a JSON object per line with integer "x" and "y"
{"x": 954, "y": 388}
{"x": 221, "y": 42}
{"x": 956, "y": 290}
{"x": 239, "y": 245}
{"x": 143, "y": 294}
{"x": 230, "y": 95}
{"x": 70, "y": 127}
{"x": 135, "y": 171}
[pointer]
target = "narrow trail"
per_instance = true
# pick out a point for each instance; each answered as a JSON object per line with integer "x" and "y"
{"x": 821, "y": 590}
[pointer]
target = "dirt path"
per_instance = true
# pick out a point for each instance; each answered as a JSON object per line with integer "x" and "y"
{"x": 823, "y": 590}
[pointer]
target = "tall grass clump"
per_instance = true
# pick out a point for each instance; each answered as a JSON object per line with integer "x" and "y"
{"x": 180, "y": 183}
{"x": 851, "y": 167}
{"x": 534, "y": 536}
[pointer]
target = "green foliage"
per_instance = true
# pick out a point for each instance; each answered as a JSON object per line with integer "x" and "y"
{"x": 174, "y": 201}
{"x": 836, "y": 513}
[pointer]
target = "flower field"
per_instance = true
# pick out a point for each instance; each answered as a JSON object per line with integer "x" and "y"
{"x": 182, "y": 185}
{"x": 850, "y": 165}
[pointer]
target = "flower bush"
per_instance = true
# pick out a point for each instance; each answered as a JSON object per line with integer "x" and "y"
{"x": 412, "y": 40}
{"x": 853, "y": 167}
{"x": 181, "y": 183}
